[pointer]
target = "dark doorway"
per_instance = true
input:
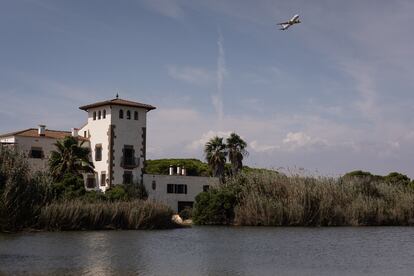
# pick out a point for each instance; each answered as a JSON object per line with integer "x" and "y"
{"x": 184, "y": 204}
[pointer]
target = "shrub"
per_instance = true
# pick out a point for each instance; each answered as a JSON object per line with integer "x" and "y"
{"x": 215, "y": 206}
{"x": 186, "y": 213}
{"x": 136, "y": 191}
{"x": 126, "y": 192}
{"x": 116, "y": 193}
{"x": 276, "y": 200}
{"x": 22, "y": 197}
{"x": 70, "y": 187}
{"x": 396, "y": 178}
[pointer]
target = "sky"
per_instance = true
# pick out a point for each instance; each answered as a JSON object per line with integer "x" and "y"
{"x": 327, "y": 96}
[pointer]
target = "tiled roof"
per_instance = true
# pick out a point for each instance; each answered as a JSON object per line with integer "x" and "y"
{"x": 33, "y": 132}
{"x": 118, "y": 102}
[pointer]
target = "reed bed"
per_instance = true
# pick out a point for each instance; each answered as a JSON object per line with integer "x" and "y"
{"x": 80, "y": 215}
{"x": 278, "y": 200}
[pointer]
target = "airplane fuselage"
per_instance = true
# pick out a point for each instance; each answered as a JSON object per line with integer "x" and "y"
{"x": 290, "y": 22}
{"x": 294, "y": 19}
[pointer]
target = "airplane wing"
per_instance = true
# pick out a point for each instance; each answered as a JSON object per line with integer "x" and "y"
{"x": 285, "y": 27}
{"x": 283, "y": 23}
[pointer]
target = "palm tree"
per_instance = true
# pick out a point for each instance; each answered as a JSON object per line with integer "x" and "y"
{"x": 70, "y": 157}
{"x": 216, "y": 152}
{"x": 237, "y": 150}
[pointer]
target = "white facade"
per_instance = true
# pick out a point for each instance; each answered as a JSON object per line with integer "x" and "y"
{"x": 35, "y": 147}
{"x": 118, "y": 130}
{"x": 165, "y": 189}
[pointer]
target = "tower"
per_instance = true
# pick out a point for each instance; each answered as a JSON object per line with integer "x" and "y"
{"x": 117, "y": 131}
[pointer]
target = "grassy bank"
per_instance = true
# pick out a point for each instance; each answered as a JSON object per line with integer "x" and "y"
{"x": 276, "y": 200}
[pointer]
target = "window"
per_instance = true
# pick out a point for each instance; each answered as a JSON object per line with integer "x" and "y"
{"x": 128, "y": 115}
{"x": 90, "y": 182}
{"x": 205, "y": 188}
{"x": 121, "y": 114}
{"x": 170, "y": 188}
{"x": 94, "y": 115}
{"x": 104, "y": 114}
{"x": 84, "y": 134}
{"x": 98, "y": 152}
{"x": 128, "y": 158}
{"x": 180, "y": 189}
{"x": 103, "y": 178}
{"x": 176, "y": 189}
{"x": 36, "y": 153}
{"x": 99, "y": 115}
{"x": 136, "y": 115}
{"x": 154, "y": 185}
{"x": 127, "y": 179}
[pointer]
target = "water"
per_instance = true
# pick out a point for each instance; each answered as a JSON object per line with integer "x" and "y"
{"x": 212, "y": 251}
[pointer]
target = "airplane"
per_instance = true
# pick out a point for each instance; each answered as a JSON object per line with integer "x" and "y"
{"x": 287, "y": 24}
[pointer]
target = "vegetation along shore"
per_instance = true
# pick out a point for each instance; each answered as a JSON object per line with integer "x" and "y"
{"x": 57, "y": 200}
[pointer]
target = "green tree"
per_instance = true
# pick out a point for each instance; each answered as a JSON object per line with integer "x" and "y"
{"x": 236, "y": 147}
{"x": 215, "y": 151}
{"x": 193, "y": 167}
{"x": 396, "y": 178}
{"x": 70, "y": 158}
{"x": 362, "y": 176}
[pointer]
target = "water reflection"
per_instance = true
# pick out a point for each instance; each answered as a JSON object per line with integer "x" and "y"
{"x": 212, "y": 251}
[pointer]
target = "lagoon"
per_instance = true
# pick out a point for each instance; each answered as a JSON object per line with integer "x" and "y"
{"x": 207, "y": 250}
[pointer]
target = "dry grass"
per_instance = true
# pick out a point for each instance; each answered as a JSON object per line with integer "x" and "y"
{"x": 79, "y": 215}
{"x": 277, "y": 200}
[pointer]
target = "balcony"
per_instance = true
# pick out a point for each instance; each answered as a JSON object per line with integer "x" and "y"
{"x": 129, "y": 162}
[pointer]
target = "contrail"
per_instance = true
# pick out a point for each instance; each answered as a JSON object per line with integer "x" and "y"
{"x": 217, "y": 99}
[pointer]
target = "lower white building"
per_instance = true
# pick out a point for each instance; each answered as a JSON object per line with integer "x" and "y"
{"x": 116, "y": 134}
{"x": 177, "y": 191}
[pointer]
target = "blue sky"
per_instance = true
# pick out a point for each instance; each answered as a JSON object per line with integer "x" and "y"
{"x": 330, "y": 95}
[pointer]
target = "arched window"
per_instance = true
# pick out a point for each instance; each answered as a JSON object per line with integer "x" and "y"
{"x": 99, "y": 115}
{"x": 104, "y": 114}
{"x": 94, "y": 115}
{"x": 128, "y": 115}
{"x": 121, "y": 114}
{"x": 136, "y": 115}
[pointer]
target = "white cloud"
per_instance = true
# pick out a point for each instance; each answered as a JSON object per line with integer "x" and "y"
{"x": 297, "y": 138}
{"x": 169, "y": 8}
{"x": 189, "y": 74}
{"x": 199, "y": 143}
{"x": 257, "y": 147}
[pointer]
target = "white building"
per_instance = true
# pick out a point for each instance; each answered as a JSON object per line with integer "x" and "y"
{"x": 116, "y": 134}
{"x": 177, "y": 191}
{"x": 36, "y": 144}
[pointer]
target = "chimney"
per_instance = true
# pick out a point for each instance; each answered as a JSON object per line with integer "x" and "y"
{"x": 178, "y": 170}
{"x": 75, "y": 132}
{"x": 41, "y": 130}
{"x": 183, "y": 172}
{"x": 171, "y": 170}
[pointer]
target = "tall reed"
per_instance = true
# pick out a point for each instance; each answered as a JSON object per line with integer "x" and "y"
{"x": 277, "y": 200}
{"x": 80, "y": 215}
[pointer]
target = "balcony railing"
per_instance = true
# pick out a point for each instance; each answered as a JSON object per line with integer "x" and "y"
{"x": 129, "y": 162}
